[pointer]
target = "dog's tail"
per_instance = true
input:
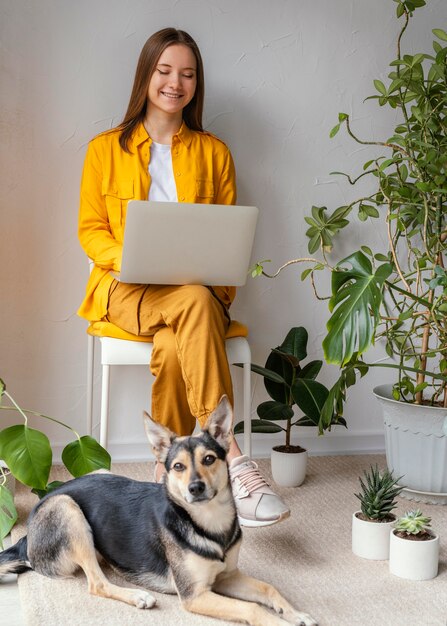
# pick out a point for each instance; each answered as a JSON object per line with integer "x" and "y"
{"x": 14, "y": 560}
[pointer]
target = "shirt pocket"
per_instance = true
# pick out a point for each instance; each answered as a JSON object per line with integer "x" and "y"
{"x": 204, "y": 191}
{"x": 117, "y": 194}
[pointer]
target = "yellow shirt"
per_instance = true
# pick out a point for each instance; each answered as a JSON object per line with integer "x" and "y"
{"x": 203, "y": 171}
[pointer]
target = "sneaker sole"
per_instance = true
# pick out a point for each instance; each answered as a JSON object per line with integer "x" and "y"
{"x": 251, "y": 523}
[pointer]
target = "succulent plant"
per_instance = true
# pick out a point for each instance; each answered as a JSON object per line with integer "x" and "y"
{"x": 413, "y": 523}
{"x": 378, "y": 495}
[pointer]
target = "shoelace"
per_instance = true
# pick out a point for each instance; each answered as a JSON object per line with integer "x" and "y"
{"x": 251, "y": 478}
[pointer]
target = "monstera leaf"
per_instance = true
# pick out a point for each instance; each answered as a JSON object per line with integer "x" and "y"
{"x": 355, "y": 303}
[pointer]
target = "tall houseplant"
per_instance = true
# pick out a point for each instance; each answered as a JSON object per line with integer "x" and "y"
{"x": 396, "y": 295}
{"x": 290, "y": 384}
{"x": 28, "y": 456}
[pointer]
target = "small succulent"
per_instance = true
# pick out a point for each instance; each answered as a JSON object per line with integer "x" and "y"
{"x": 378, "y": 495}
{"x": 413, "y": 523}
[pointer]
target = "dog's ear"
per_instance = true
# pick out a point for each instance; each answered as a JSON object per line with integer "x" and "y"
{"x": 159, "y": 437}
{"x": 220, "y": 423}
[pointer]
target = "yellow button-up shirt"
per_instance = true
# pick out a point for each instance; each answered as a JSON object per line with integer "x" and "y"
{"x": 203, "y": 171}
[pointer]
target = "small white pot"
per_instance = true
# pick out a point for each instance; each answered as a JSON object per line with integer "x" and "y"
{"x": 10, "y": 480}
{"x": 289, "y": 468}
{"x": 414, "y": 560}
{"x": 371, "y": 540}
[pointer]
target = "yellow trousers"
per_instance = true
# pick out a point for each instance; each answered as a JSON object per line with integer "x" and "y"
{"x": 189, "y": 361}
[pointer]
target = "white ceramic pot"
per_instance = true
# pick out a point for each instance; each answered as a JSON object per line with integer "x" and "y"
{"x": 414, "y": 560}
{"x": 289, "y": 468}
{"x": 371, "y": 540}
{"x": 416, "y": 446}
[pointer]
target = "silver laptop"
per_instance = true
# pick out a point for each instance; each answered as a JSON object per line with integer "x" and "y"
{"x": 175, "y": 243}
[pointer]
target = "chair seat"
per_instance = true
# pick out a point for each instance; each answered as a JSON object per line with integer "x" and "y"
{"x": 119, "y": 347}
{"x": 107, "y": 329}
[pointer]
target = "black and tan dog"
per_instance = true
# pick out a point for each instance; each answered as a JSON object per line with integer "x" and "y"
{"x": 179, "y": 537}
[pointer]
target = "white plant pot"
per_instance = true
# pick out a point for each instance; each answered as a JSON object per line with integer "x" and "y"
{"x": 10, "y": 480}
{"x": 414, "y": 560}
{"x": 371, "y": 540}
{"x": 416, "y": 447}
{"x": 289, "y": 468}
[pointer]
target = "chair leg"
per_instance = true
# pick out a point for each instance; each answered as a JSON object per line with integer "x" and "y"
{"x": 104, "y": 405}
{"x": 90, "y": 370}
{"x": 247, "y": 409}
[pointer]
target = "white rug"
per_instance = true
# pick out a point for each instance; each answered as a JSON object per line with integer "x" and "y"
{"x": 307, "y": 557}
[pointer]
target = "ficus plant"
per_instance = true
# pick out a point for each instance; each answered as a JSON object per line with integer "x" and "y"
{"x": 290, "y": 384}
{"x": 28, "y": 455}
{"x": 396, "y": 294}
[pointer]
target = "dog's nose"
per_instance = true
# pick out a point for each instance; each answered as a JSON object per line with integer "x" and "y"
{"x": 196, "y": 488}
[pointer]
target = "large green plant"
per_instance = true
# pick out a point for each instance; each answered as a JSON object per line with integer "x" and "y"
{"x": 289, "y": 383}
{"x": 396, "y": 294}
{"x": 28, "y": 455}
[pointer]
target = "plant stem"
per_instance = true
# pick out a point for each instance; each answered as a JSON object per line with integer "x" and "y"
{"x": 15, "y": 407}
{"x": 23, "y": 411}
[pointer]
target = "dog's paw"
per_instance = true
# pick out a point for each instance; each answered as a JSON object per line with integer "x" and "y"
{"x": 302, "y": 619}
{"x": 144, "y": 600}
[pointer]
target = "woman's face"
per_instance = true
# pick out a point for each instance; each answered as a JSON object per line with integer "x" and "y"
{"x": 173, "y": 83}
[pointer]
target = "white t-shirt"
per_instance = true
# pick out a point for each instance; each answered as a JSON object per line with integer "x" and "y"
{"x": 162, "y": 186}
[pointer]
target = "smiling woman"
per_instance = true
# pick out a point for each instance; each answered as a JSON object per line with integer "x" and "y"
{"x": 161, "y": 152}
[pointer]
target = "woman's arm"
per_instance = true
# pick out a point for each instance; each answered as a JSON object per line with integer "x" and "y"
{"x": 94, "y": 229}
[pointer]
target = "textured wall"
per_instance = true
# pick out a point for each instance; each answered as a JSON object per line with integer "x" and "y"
{"x": 278, "y": 72}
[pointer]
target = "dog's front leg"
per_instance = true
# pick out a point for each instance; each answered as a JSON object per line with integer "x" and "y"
{"x": 237, "y": 585}
{"x": 214, "y": 605}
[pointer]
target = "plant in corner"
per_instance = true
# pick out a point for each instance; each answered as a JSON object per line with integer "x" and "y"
{"x": 27, "y": 455}
{"x": 414, "y": 547}
{"x": 288, "y": 383}
{"x": 397, "y": 294}
{"x": 371, "y": 525}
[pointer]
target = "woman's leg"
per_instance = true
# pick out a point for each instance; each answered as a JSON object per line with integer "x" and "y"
{"x": 192, "y": 373}
{"x": 169, "y": 402}
{"x": 197, "y": 324}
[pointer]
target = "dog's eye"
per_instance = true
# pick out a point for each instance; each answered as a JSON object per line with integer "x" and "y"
{"x": 179, "y": 467}
{"x": 209, "y": 459}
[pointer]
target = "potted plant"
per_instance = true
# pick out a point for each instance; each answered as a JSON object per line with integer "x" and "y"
{"x": 414, "y": 548}
{"x": 27, "y": 456}
{"x": 397, "y": 294}
{"x": 371, "y": 525}
{"x": 288, "y": 383}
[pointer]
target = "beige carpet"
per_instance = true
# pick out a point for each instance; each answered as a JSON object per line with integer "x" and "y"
{"x": 307, "y": 557}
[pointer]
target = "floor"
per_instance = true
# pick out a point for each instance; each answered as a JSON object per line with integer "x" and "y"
{"x": 10, "y": 611}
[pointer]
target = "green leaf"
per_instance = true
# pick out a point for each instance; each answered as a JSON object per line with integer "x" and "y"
{"x": 311, "y": 370}
{"x": 366, "y": 250}
{"x": 440, "y": 34}
{"x": 306, "y": 273}
{"x": 295, "y": 343}
{"x": 50, "y": 487}
{"x": 85, "y": 455}
{"x": 265, "y": 372}
{"x": 8, "y": 513}
{"x": 2, "y": 389}
{"x": 278, "y": 389}
{"x": 355, "y": 306}
{"x": 380, "y": 87}
{"x": 259, "y": 426}
{"x": 272, "y": 410}
{"x": 310, "y": 397}
{"x": 334, "y": 131}
{"x": 27, "y": 452}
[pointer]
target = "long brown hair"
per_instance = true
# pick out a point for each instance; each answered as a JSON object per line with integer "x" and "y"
{"x": 152, "y": 49}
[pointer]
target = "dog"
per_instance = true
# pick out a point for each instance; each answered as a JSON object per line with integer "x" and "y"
{"x": 181, "y": 536}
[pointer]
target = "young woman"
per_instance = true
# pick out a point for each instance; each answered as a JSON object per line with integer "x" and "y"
{"x": 161, "y": 152}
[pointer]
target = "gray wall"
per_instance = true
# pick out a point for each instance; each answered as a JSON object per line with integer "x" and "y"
{"x": 278, "y": 72}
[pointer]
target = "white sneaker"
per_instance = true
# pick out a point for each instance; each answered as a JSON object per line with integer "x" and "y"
{"x": 256, "y": 503}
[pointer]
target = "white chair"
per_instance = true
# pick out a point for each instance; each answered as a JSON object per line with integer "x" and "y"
{"x": 119, "y": 351}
